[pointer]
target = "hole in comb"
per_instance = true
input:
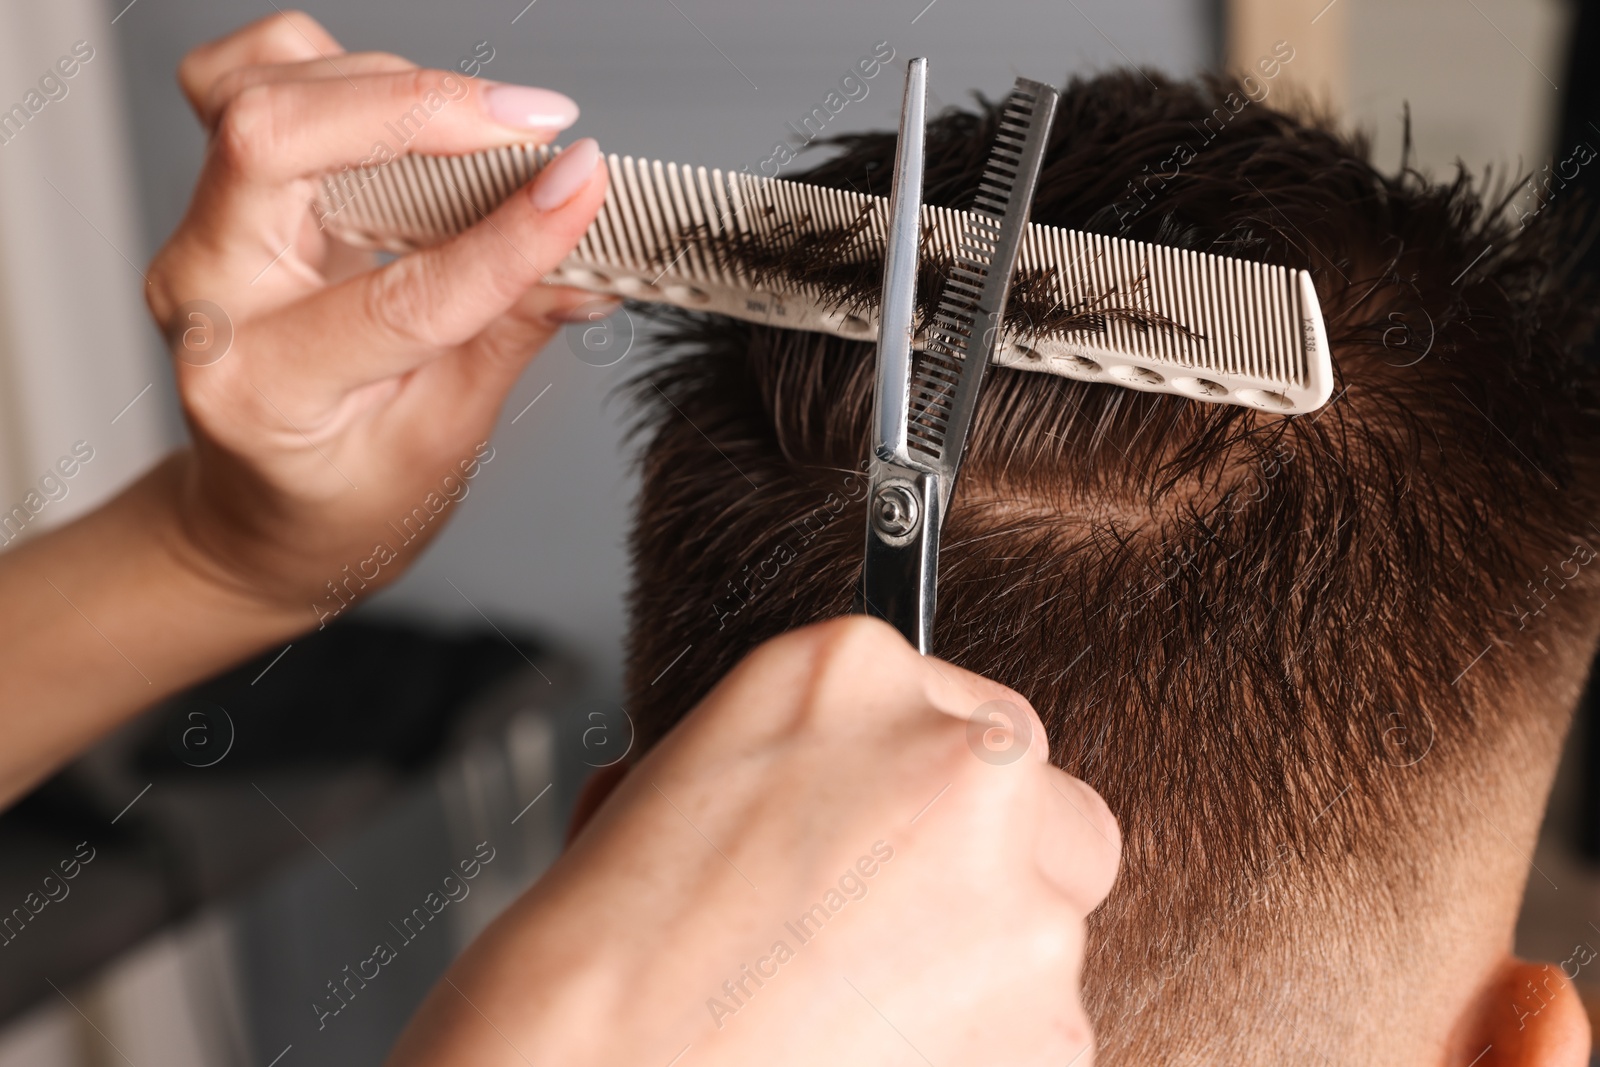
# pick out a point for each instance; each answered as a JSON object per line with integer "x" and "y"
{"x": 637, "y": 287}
{"x": 847, "y": 325}
{"x": 1079, "y": 365}
{"x": 1261, "y": 398}
{"x": 1200, "y": 386}
{"x": 584, "y": 277}
{"x": 686, "y": 295}
{"x": 1137, "y": 375}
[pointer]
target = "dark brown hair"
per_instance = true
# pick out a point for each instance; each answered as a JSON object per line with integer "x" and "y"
{"x": 1266, "y": 641}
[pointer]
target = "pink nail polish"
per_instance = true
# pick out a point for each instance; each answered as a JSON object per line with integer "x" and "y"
{"x": 566, "y": 174}
{"x": 528, "y": 108}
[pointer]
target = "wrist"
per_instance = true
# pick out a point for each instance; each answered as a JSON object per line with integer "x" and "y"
{"x": 286, "y": 551}
{"x": 216, "y": 553}
{"x": 143, "y": 611}
{"x": 548, "y": 986}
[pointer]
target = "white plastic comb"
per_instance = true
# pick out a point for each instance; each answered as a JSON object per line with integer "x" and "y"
{"x": 1243, "y": 332}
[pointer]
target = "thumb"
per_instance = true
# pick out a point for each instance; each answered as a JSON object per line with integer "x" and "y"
{"x": 477, "y": 276}
{"x": 392, "y": 320}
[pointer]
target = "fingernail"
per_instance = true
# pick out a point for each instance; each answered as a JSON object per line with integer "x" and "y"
{"x": 528, "y": 108}
{"x": 566, "y": 174}
{"x": 588, "y": 311}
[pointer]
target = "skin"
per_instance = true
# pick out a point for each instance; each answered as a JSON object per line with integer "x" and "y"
{"x": 1557, "y": 1037}
{"x": 320, "y": 424}
{"x": 964, "y": 940}
{"x": 967, "y": 945}
{"x": 1496, "y": 1009}
{"x": 348, "y": 394}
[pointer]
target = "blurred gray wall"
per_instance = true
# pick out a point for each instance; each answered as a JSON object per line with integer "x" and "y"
{"x": 541, "y": 541}
{"x": 75, "y": 353}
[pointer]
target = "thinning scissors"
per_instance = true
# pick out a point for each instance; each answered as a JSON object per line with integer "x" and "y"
{"x": 924, "y": 403}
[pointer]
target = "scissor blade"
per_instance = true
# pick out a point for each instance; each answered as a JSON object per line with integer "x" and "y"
{"x": 896, "y": 319}
{"x": 924, "y": 409}
{"x": 902, "y": 549}
{"x": 965, "y": 330}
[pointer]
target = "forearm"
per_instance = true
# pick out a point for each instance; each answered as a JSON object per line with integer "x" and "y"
{"x": 108, "y": 615}
{"x": 386, "y": 380}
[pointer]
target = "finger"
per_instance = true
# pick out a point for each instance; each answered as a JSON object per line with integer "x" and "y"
{"x": 988, "y": 704}
{"x": 269, "y": 134}
{"x": 473, "y": 380}
{"x": 393, "y": 320}
{"x": 1080, "y": 844}
{"x": 245, "y": 216}
{"x": 283, "y": 37}
{"x": 494, "y": 359}
{"x": 352, "y": 65}
{"x": 871, "y": 662}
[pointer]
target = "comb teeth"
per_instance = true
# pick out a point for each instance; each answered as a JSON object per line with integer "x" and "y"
{"x": 1243, "y": 332}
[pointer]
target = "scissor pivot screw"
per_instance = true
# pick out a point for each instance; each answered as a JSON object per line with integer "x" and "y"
{"x": 895, "y": 511}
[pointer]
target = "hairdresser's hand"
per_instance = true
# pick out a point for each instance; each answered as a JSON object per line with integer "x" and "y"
{"x": 349, "y": 396}
{"x": 825, "y": 863}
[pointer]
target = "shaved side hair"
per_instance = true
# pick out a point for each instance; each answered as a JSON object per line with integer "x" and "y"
{"x": 1299, "y": 656}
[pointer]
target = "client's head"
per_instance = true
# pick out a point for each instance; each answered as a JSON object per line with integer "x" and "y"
{"x": 1320, "y": 667}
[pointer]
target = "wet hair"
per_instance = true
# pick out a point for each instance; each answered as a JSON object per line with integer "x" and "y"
{"x": 1269, "y": 642}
